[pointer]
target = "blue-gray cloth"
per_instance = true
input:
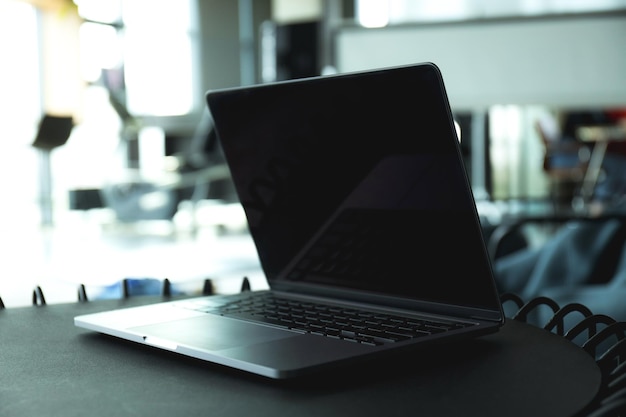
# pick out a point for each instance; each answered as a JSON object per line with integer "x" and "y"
{"x": 584, "y": 262}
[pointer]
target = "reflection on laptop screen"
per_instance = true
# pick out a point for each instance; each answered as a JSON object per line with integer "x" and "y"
{"x": 359, "y": 185}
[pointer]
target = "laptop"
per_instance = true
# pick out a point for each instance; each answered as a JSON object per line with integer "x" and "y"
{"x": 364, "y": 222}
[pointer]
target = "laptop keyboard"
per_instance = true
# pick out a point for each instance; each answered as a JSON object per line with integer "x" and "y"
{"x": 350, "y": 324}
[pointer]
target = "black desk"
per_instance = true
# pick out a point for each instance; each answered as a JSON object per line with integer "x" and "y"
{"x": 48, "y": 367}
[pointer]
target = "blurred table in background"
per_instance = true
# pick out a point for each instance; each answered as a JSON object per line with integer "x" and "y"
{"x": 601, "y": 137}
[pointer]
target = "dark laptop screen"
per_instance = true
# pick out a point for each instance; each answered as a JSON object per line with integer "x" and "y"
{"x": 356, "y": 181}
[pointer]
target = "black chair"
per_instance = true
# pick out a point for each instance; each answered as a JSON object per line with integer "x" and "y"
{"x": 53, "y": 132}
{"x": 565, "y": 164}
{"x": 601, "y": 336}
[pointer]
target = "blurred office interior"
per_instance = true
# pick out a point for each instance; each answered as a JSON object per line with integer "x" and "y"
{"x": 136, "y": 188}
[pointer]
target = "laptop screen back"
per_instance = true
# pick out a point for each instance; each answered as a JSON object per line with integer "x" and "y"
{"x": 356, "y": 182}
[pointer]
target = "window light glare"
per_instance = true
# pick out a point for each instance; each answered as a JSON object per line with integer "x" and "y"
{"x": 99, "y": 11}
{"x": 373, "y": 13}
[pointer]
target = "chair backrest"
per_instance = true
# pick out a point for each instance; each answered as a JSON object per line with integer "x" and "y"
{"x": 545, "y": 140}
{"x": 53, "y": 131}
{"x": 564, "y": 160}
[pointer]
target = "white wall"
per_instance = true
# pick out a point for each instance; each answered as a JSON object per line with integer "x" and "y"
{"x": 564, "y": 61}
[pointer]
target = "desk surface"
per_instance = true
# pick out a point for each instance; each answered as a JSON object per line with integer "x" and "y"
{"x": 49, "y": 367}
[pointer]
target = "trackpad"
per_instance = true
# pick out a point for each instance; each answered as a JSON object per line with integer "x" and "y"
{"x": 212, "y": 332}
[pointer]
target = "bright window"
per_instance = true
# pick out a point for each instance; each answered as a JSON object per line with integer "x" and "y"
{"x": 153, "y": 52}
{"x": 20, "y": 109}
{"x": 158, "y": 57}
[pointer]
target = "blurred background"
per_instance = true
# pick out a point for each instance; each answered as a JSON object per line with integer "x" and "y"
{"x": 110, "y": 170}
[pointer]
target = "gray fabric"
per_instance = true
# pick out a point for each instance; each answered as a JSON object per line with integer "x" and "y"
{"x": 580, "y": 253}
{"x": 584, "y": 262}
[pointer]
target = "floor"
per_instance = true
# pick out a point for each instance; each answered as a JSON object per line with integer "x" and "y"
{"x": 93, "y": 250}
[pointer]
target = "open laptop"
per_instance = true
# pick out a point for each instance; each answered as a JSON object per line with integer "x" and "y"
{"x": 364, "y": 221}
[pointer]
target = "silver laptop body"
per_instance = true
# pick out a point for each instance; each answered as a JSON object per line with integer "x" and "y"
{"x": 358, "y": 202}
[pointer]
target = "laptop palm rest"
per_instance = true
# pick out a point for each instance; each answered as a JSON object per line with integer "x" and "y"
{"x": 219, "y": 332}
{"x": 265, "y": 350}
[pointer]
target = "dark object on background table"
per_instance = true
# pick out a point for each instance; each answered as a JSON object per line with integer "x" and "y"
{"x": 53, "y": 132}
